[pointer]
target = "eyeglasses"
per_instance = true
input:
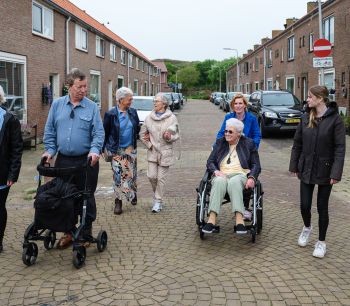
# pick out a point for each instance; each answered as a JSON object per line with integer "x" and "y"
{"x": 229, "y": 132}
{"x": 72, "y": 114}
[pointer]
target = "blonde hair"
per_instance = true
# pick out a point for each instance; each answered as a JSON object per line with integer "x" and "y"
{"x": 2, "y": 95}
{"x": 239, "y": 96}
{"x": 319, "y": 92}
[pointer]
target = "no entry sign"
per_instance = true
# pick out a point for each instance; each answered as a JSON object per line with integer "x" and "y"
{"x": 322, "y": 48}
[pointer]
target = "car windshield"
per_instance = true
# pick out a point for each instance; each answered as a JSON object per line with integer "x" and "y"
{"x": 142, "y": 104}
{"x": 278, "y": 99}
{"x": 220, "y": 95}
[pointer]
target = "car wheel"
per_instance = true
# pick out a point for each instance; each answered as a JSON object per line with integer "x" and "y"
{"x": 263, "y": 129}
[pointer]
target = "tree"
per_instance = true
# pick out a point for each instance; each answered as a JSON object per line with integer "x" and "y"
{"x": 204, "y": 69}
{"x": 188, "y": 76}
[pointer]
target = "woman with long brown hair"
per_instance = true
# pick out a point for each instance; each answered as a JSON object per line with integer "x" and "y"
{"x": 317, "y": 158}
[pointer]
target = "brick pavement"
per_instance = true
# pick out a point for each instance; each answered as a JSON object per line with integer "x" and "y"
{"x": 160, "y": 259}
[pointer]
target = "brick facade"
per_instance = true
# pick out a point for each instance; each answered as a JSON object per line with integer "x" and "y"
{"x": 268, "y": 64}
{"x": 43, "y": 57}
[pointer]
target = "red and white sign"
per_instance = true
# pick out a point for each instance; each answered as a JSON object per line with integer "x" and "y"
{"x": 322, "y": 48}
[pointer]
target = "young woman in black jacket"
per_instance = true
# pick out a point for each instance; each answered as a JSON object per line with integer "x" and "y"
{"x": 11, "y": 147}
{"x": 317, "y": 158}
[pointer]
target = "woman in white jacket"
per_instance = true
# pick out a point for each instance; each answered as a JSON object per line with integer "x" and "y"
{"x": 158, "y": 133}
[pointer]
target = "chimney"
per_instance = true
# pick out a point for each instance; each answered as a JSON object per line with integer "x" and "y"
{"x": 311, "y": 5}
{"x": 276, "y": 32}
{"x": 264, "y": 40}
{"x": 289, "y": 22}
{"x": 244, "y": 55}
{"x": 250, "y": 51}
{"x": 256, "y": 46}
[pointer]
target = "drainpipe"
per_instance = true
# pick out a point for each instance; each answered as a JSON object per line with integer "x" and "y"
{"x": 129, "y": 69}
{"x": 149, "y": 80}
{"x": 67, "y": 44}
{"x": 264, "y": 68}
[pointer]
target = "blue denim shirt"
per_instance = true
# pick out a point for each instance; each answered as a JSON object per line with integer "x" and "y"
{"x": 75, "y": 136}
{"x": 2, "y": 114}
{"x": 125, "y": 128}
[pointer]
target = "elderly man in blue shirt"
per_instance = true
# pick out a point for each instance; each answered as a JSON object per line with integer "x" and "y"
{"x": 74, "y": 132}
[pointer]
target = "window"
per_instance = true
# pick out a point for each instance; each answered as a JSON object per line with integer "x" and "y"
{"x": 130, "y": 60}
{"x": 301, "y": 41}
{"x": 120, "y": 81}
{"x": 256, "y": 85}
{"x": 247, "y": 88}
{"x": 137, "y": 63}
{"x": 311, "y": 42}
{"x": 113, "y": 53}
{"x": 136, "y": 87}
{"x": 329, "y": 81}
{"x": 142, "y": 64}
{"x": 269, "y": 63}
{"x": 81, "y": 38}
{"x": 100, "y": 46}
{"x": 123, "y": 57}
{"x": 291, "y": 48}
{"x": 145, "y": 87}
{"x": 290, "y": 84}
{"x": 256, "y": 64}
{"x": 42, "y": 19}
{"x": 282, "y": 55}
{"x": 246, "y": 68}
{"x": 328, "y": 29}
{"x": 277, "y": 54}
{"x": 95, "y": 87}
{"x": 269, "y": 84}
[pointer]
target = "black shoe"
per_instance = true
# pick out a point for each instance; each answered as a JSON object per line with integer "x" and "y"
{"x": 118, "y": 207}
{"x": 210, "y": 228}
{"x": 134, "y": 200}
{"x": 240, "y": 229}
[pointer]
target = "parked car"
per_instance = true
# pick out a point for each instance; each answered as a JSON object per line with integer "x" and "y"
{"x": 212, "y": 96}
{"x": 228, "y": 98}
{"x": 177, "y": 100}
{"x": 182, "y": 97}
{"x": 219, "y": 97}
{"x": 15, "y": 104}
{"x": 276, "y": 111}
{"x": 143, "y": 106}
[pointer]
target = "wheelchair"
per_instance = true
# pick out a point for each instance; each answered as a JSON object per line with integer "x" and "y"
{"x": 252, "y": 198}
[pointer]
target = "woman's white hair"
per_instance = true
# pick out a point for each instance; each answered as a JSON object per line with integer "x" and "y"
{"x": 123, "y": 92}
{"x": 237, "y": 124}
{"x": 2, "y": 95}
{"x": 163, "y": 98}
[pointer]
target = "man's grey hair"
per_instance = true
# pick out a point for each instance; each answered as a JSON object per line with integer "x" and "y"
{"x": 123, "y": 92}
{"x": 237, "y": 124}
{"x": 163, "y": 98}
{"x": 74, "y": 74}
{"x": 2, "y": 95}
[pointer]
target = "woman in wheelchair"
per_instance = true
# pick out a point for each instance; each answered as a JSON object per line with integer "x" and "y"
{"x": 235, "y": 165}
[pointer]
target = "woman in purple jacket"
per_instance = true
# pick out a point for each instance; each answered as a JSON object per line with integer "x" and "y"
{"x": 251, "y": 127}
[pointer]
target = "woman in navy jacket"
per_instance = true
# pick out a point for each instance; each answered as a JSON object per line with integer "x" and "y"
{"x": 121, "y": 126}
{"x": 11, "y": 147}
{"x": 251, "y": 127}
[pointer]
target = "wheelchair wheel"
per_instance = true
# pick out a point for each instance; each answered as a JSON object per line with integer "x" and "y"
{"x": 102, "y": 239}
{"x": 49, "y": 240}
{"x": 79, "y": 256}
{"x": 259, "y": 220}
{"x": 253, "y": 233}
{"x": 30, "y": 254}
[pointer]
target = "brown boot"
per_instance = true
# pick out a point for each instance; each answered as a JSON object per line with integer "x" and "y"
{"x": 118, "y": 207}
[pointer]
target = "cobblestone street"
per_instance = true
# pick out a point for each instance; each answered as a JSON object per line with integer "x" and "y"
{"x": 159, "y": 259}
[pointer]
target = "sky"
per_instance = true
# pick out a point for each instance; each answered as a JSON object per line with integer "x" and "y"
{"x": 193, "y": 30}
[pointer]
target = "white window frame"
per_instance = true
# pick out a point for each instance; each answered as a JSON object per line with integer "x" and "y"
{"x": 247, "y": 88}
{"x": 142, "y": 65}
{"x": 98, "y": 73}
{"x": 311, "y": 42}
{"x": 100, "y": 42}
{"x": 120, "y": 77}
{"x": 123, "y": 57}
{"x": 330, "y": 27}
{"x": 290, "y": 77}
{"x": 44, "y": 10}
{"x": 113, "y": 53}
{"x": 282, "y": 55}
{"x": 136, "y": 92}
{"x": 291, "y": 48}
{"x": 256, "y": 87}
{"x": 79, "y": 33}
{"x": 137, "y": 64}
{"x": 328, "y": 71}
{"x": 130, "y": 59}
{"x": 269, "y": 80}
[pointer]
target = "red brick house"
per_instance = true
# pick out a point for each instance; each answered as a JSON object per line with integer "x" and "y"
{"x": 163, "y": 76}
{"x": 46, "y": 38}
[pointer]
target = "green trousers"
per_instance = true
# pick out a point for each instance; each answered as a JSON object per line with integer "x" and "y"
{"x": 234, "y": 185}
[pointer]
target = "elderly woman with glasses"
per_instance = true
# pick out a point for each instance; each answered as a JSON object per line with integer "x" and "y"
{"x": 121, "y": 126}
{"x": 158, "y": 133}
{"x": 234, "y": 163}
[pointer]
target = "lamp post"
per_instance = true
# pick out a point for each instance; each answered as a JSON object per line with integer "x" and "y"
{"x": 233, "y": 49}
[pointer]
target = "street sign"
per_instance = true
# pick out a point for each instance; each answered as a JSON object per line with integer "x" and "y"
{"x": 179, "y": 86}
{"x": 322, "y": 48}
{"x": 322, "y": 62}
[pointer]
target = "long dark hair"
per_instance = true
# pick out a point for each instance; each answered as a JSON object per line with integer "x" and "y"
{"x": 319, "y": 92}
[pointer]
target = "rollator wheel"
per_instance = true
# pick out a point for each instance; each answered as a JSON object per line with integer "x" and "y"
{"x": 201, "y": 234}
{"x": 198, "y": 210}
{"x": 30, "y": 231}
{"x": 259, "y": 219}
{"x": 102, "y": 240}
{"x": 79, "y": 256}
{"x": 30, "y": 254}
{"x": 253, "y": 233}
{"x": 49, "y": 240}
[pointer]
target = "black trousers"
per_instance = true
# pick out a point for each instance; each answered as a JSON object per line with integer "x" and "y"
{"x": 79, "y": 180}
{"x": 3, "y": 212}
{"x": 323, "y": 193}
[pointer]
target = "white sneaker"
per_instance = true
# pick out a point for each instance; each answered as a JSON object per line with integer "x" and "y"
{"x": 320, "y": 249}
{"x": 304, "y": 236}
{"x": 157, "y": 207}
